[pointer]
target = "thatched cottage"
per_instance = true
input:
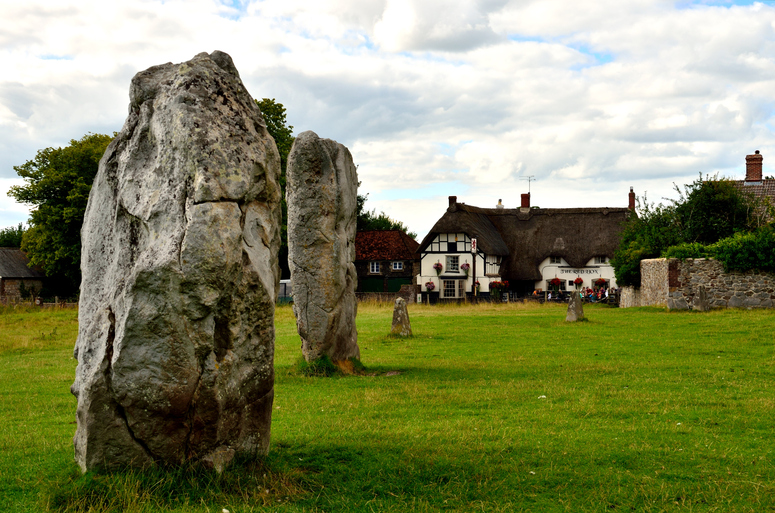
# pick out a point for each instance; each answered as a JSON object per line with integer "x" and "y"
{"x": 528, "y": 247}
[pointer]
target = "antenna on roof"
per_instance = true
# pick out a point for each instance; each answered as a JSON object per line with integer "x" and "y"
{"x": 529, "y": 179}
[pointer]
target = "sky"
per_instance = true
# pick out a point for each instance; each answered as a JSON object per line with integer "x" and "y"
{"x": 481, "y": 99}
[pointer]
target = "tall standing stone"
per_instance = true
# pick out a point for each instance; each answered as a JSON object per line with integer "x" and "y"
{"x": 322, "y": 186}
{"x": 179, "y": 260}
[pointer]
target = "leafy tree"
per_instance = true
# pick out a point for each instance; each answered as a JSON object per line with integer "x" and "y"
{"x": 706, "y": 211}
{"x": 373, "y": 221}
{"x": 58, "y": 182}
{"x": 713, "y": 209}
{"x": 274, "y": 116}
{"x": 644, "y": 236}
{"x": 11, "y": 237}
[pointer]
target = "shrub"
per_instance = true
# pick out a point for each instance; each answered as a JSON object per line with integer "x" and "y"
{"x": 688, "y": 250}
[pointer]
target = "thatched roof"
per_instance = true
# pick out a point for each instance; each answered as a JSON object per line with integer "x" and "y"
{"x": 526, "y": 238}
{"x": 384, "y": 245}
{"x": 13, "y": 264}
{"x": 460, "y": 218}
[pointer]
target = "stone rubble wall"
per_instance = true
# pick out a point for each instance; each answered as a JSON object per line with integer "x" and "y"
{"x": 676, "y": 283}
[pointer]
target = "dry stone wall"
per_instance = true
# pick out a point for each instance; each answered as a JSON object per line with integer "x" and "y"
{"x": 676, "y": 284}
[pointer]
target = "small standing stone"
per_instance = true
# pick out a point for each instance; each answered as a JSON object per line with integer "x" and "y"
{"x": 701, "y": 300}
{"x": 401, "y": 325}
{"x": 575, "y": 308}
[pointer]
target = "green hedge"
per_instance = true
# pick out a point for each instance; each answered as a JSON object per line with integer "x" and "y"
{"x": 741, "y": 252}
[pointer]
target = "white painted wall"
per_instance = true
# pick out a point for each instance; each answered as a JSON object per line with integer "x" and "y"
{"x": 589, "y": 273}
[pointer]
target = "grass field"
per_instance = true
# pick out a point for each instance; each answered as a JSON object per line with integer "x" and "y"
{"x": 486, "y": 408}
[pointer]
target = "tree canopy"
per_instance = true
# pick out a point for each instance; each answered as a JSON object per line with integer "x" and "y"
{"x": 370, "y": 220}
{"x": 706, "y": 211}
{"x": 274, "y": 116}
{"x": 11, "y": 237}
{"x": 58, "y": 182}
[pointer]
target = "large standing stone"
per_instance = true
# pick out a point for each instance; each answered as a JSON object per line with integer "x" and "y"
{"x": 322, "y": 186}
{"x": 575, "y": 308}
{"x": 401, "y": 325}
{"x": 180, "y": 272}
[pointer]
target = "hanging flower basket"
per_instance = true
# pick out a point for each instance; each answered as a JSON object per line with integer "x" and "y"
{"x": 600, "y": 282}
{"x": 478, "y": 285}
{"x": 437, "y": 267}
{"x": 465, "y": 267}
{"x": 555, "y": 283}
{"x": 430, "y": 286}
{"x": 578, "y": 282}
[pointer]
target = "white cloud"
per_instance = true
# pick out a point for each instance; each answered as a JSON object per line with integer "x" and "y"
{"x": 434, "y": 98}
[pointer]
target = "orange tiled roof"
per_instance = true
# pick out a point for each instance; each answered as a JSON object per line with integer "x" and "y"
{"x": 384, "y": 245}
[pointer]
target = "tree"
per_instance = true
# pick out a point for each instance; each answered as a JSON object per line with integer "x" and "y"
{"x": 706, "y": 211}
{"x": 373, "y": 221}
{"x": 712, "y": 209}
{"x": 274, "y": 116}
{"x": 11, "y": 237}
{"x": 58, "y": 182}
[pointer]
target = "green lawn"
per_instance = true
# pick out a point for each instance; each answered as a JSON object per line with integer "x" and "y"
{"x": 494, "y": 408}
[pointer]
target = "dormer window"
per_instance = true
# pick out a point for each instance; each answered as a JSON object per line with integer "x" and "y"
{"x": 601, "y": 260}
{"x": 555, "y": 260}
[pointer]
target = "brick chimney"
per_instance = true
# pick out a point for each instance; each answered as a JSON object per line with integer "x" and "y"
{"x": 452, "y": 201}
{"x": 753, "y": 167}
{"x": 525, "y": 201}
{"x": 632, "y": 200}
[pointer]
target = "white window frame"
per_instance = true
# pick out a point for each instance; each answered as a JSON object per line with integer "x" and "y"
{"x": 453, "y": 264}
{"x": 398, "y": 266}
{"x": 555, "y": 260}
{"x": 374, "y": 267}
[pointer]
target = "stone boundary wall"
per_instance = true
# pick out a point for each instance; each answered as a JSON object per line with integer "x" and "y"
{"x": 676, "y": 284}
{"x": 629, "y": 297}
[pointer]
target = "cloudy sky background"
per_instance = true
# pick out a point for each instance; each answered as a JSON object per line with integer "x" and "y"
{"x": 433, "y": 97}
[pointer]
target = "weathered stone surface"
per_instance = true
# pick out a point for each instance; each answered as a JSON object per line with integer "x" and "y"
{"x": 575, "y": 308}
{"x": 322, "y": 186}
{"x": 179, "y": 259}
{"x": 701, "y": 300}
{"x": 401, "y": 325}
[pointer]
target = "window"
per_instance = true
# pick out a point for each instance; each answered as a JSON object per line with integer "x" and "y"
{"x": 398, "y": 266}
{"x": 449, "y": 288}
{"x": 555, "y": 260}
{"x": 453, "y": 288}
{"x": 453, "y": 264}
{"x": 601, "y": 260}
{"x": 374, "y": 267}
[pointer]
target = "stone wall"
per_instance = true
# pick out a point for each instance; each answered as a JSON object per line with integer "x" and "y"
{"x": 676, "y": 284}
{"x": 629, "y": 297}
{"x": 654, "y": 282}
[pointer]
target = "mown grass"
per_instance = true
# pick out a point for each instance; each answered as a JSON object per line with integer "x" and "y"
{"x": 486, "y": 408}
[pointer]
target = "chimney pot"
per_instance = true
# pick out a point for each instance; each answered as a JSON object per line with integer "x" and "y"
{"x": 631, "y": 205}
{"x": 452, "y": 200}
{"x": 525, "y": 200}
{"x": 753, "y": 167}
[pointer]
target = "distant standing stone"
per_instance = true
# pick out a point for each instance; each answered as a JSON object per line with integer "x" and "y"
{"x": 575, "y": 308}
{"x": 701, "y": 300}
{"x": 180, "y": 273}
{"x": 401, "y": 325}
{"x": 322, "y": 191}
